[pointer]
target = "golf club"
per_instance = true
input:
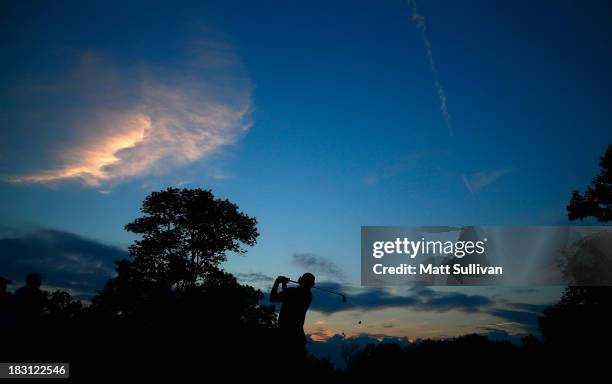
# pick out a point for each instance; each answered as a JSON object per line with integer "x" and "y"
{"x": 325, "y": 290}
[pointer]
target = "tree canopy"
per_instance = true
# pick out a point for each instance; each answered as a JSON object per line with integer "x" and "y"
{"x": 581, "y": 315}
{"x": 596, "y": 201}
{"x": 186, "y": 234}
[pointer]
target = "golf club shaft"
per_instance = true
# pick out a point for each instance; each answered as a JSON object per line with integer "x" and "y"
{"x": 321, "y": 289}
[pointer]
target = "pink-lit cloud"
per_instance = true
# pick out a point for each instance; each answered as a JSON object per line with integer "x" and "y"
{"x": 144, "y": 120}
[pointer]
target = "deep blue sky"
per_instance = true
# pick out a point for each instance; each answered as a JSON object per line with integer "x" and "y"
{"x": 333, "y": 119}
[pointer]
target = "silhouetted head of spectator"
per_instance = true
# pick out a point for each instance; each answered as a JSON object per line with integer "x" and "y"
{"x": 3, "y": 283}
{"x": 33, "y": 280}
{"x": 307, "y": 280}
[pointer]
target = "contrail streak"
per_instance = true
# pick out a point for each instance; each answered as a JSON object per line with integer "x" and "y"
{"x": 419, "y": 22}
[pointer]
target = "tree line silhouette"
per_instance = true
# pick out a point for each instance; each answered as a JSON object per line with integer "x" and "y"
{"x": 171, "y": 311}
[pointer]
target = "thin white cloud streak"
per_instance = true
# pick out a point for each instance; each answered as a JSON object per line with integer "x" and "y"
{"x": 477, "y": 181}
{"x": 419, "y": 22}
{"x": 153, "y": 124}
{"x": 407, "y": 160}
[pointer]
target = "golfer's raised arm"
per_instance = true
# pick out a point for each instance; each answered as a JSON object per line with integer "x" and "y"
{"x": 275, "y": 296}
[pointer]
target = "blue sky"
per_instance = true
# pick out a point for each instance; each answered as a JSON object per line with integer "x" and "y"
{"x": 314, "y": 117}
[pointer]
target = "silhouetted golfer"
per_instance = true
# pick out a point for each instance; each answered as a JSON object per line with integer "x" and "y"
{"x": 5, "y": 301}
{"x": 295, "y": 302}
{"x": 4, "y": 298}
{"x": 29, "y": 301}
{"x": 3, "y": 284}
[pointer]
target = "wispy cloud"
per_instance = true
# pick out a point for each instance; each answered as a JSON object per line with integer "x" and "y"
{"x": 523, "y": 316}
{"x": 477, "y": 181}
{"x": 318, "y": 265}
{"x": 419, "y": 22}
{"x": 392, "y": 169}
{"x": 145, "y": 119}
{"x": 254, "y": 277}
{"x": 525, "y": 319}
{"x": 418, "y": 298}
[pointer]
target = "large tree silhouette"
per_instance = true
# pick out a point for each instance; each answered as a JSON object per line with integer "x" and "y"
{"x": 581, "y": 317}
{"x": 171, "y": 295}
{"x": 186, "y": 234}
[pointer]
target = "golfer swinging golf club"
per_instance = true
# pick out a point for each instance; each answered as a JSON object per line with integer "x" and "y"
{"x": 295, "y": 302}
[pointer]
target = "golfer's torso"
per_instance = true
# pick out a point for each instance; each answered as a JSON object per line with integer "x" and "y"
{"x": 293, "y": 310}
